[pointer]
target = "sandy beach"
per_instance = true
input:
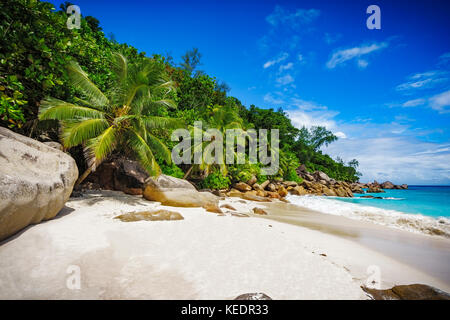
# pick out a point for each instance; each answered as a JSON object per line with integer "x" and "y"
{"x": 204, "y": 256}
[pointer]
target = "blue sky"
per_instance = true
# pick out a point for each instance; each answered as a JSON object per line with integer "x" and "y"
{"x": 385, "y": 93}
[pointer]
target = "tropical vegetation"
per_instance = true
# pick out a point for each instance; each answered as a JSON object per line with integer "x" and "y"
{"x": 100, "y": 97}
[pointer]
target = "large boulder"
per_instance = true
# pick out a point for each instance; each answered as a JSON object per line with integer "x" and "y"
{"x": 264, "y": 184}
{"x": 387, "y": 185}
{"x": 253, "y": 296}
{"x": 357, "y": 188}
{"x": 408, "y": 292}
{"x": 252, "y": 181}
{"x": 375, "y": 189}
{"x": 35, "y": 181}
{"x": 282, "y": 191}
{"x": 242, "y": 186}
{"x": 171, "y": 191}
{"x": 119, "y": 174}
{"x": 299, "y": 190}
{"x": 321, "y": 176}
{"x": 328, "y": 192}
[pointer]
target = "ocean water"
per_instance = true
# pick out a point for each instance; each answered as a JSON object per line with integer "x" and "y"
{"x": 423, "y": 209}
{"x": 431, "y": 201}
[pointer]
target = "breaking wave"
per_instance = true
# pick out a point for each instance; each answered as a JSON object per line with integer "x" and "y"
{"x": 411, "y": 222}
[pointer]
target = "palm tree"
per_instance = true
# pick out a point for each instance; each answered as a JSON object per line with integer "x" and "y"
{"x": 119, "y": 120}
{"x": 220, "y": 118}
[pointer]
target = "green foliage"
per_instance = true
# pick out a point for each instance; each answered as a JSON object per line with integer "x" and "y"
{"x": 288, "y": 165}
{"x": 243, "y": 172}
{"x": 292, "y": 175}
{"x": 120, "y": 120}
{"x": 11, "y": 102}
{"x": 36, "y": 48}
{"x": 172, "y": 170}
{"x": 216, "y": 180}
{"x": 269, "y": 119}
{"x": 191, "y": 59}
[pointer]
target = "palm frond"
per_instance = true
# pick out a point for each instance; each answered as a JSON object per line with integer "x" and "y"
{"x": 100, "y": 147}
{"x": 159, "y": 148}
{"x": 165, "y": 102}
{"x": 154, "y": 122}
{"x": 132, "y": 91}
{"x": 56, "y": 109}
{"x": 75, "y": 133}
{"x": 120, "y": 66}
{"x": 81, "y": 81}
{"x": 169, "y": 85}
{"x": 143, "y": 153}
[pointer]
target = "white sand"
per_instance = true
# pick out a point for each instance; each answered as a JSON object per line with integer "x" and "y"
{"x": 204, "y": 256}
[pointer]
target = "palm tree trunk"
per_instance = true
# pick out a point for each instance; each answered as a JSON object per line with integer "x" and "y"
{"x": 188, "y": 172}
{"x": 84, "y": 175}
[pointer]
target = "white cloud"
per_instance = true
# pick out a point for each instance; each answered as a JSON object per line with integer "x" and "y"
{"x": 279, "y": 59}
{"x": 332, "y": 38}
{"x": 344, "y": 55}
{"x": 441, "y": 102}
{"x": 306, "y": 119}
{"x": 285, "y": 79}
{"x": 362, "y": 63}
{"x": 444, "y": 59}
{"x": 300, "y": 57}
{"x": 269, "y": 98}
{"x": 341, "y": 135}
{"x": 424, "y": 80}
{"x": 306, "y": 105}
{"x": 414, "y": 103}
{"x": 286, "y": 66}
{"x": 294, "y": 20}
{"x": 385, "y": 151}
{"x": 400, "y": 159}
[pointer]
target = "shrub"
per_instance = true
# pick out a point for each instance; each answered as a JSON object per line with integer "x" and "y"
{"x": 293, "y": 176}
{"x": 172, "y": 170}
{"x": 216, "y": 180}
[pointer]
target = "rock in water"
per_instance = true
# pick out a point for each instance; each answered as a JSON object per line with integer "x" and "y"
{"x": 171, "y": 191}
{"x": 387, "y": 185}
{"x": 35, "y": 181}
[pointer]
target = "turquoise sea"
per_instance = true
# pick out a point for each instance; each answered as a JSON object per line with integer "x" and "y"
{"x": 431, "y": 201}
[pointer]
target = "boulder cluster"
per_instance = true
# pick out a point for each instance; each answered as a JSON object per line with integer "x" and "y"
{"x": 375, "y": 187}
{"x": 317, "y": 183}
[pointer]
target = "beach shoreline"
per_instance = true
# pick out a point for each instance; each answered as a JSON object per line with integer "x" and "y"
{"x": 204, "y": 256}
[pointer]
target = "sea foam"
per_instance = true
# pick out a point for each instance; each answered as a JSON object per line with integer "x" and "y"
{"x": 411, "y": 222}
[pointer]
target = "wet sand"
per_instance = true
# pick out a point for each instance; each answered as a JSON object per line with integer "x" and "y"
{"x": 430, "y": 254}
